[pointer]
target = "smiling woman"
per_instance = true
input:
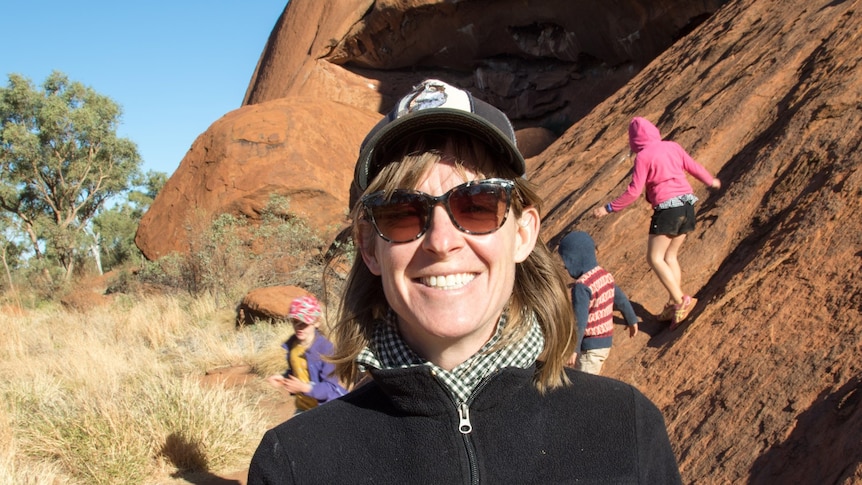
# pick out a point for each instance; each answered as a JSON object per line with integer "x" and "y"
{"x": 457, "y": 319}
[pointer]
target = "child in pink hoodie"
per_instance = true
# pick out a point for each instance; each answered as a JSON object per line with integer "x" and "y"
{"x": 660, "y": 167}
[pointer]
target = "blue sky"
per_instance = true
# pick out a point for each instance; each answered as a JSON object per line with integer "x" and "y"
{"x": 175, "y": 66}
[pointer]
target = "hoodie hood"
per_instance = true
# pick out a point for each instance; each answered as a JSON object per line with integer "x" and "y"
{"x": 578, "y": 252}
{"x": 642, "y": 133}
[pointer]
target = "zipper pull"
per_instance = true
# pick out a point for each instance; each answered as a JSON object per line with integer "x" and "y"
{"x": 464, "y": 425}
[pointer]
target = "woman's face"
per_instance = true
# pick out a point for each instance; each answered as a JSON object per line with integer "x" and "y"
{"x": 449, "y": 288}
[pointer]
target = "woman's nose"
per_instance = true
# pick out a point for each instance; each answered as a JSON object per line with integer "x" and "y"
{"x": 442, "y": 235}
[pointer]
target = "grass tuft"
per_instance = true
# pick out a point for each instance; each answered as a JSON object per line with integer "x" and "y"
{"x": 114, "y": 394}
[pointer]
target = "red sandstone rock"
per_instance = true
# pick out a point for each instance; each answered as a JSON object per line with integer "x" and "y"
{"x": 269, "y": 303}
{"x": 762, "y": 384}
{"x": 282, "y": 147}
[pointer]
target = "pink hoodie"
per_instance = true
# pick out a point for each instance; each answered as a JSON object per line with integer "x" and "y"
{"x": 660, "y": 166}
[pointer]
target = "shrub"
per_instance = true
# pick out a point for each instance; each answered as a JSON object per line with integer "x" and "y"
{"x": 229, "y": 255}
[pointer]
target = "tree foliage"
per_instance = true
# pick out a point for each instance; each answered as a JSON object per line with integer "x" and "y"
{"x": 10, "y": 250}
{"x": 114, "y": 228}
{"x": 60, "y": 162}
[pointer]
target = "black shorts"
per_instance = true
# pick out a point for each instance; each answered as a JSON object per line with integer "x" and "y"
{"x": 673, "y": 221}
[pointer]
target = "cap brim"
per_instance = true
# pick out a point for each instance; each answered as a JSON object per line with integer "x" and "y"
{"x": 438, "y": 119}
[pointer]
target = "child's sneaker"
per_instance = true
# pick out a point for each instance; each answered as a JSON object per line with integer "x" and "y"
{"x": 682, "y": 310}
{"x": 666, "y": 315}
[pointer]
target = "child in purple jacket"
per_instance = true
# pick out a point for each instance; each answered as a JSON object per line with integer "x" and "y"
{"x": 660, "y": 167}
{"x": 308, "y": 376}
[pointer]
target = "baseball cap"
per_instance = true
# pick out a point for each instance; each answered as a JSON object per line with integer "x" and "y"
{"x": 435, "y": 105}
{"x": 305, "y": 309}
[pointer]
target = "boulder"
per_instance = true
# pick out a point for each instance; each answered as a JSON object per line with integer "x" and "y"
{"x": 271, "y": 303}
{"x": 282, "y": 147}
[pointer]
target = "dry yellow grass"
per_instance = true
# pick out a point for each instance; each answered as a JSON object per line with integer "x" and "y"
{"x": 113, "y": 394}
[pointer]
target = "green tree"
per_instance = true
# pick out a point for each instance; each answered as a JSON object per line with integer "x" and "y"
{"x": 114, "y": 228}
{"x": 10, "y": 250}
{"x": 61, "y": 160}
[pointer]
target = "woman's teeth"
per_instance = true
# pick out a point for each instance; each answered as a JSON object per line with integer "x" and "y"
{"x": 448, "y": 282}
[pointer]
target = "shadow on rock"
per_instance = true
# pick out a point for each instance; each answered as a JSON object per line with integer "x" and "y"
{"x": 824, "y": 445}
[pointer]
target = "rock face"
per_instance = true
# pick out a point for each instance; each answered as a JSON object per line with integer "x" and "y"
{"x": 270, "y": 303}
{"x": 763, "y": 384}
{"x": 546, "y": 63}
{"x": 280, "y": 147}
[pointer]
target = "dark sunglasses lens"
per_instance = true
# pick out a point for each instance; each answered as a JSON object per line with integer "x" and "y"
{"x": 479, "y": 208}
{"x": 401, "y": 218}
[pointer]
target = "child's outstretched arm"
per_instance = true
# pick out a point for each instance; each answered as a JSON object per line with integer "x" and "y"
{"x": 631, "y": 194}
{"x": 698, "y": 171}
{"x": 622, "y": 303}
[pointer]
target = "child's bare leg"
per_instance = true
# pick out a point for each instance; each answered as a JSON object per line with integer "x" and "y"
{"x": 657, "y": 248}
{"x": 670, "y": 257}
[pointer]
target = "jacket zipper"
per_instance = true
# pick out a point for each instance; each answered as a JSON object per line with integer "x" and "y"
{"x": 465, "y": 427}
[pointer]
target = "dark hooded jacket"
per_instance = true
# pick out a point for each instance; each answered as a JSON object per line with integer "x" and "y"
{"x": 404, "y": 427}
{"x": 578, "y": 252}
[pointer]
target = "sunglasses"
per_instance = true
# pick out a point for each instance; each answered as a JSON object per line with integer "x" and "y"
{"x": 477, "y": 207}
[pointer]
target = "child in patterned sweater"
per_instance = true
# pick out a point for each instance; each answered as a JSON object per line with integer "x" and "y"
{"x": 594, "y": 297}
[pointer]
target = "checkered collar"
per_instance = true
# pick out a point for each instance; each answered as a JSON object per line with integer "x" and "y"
{"x": 387, "y": 350}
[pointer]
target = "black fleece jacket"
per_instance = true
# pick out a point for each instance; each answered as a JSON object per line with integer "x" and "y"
{"x": 403, "y": 427}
